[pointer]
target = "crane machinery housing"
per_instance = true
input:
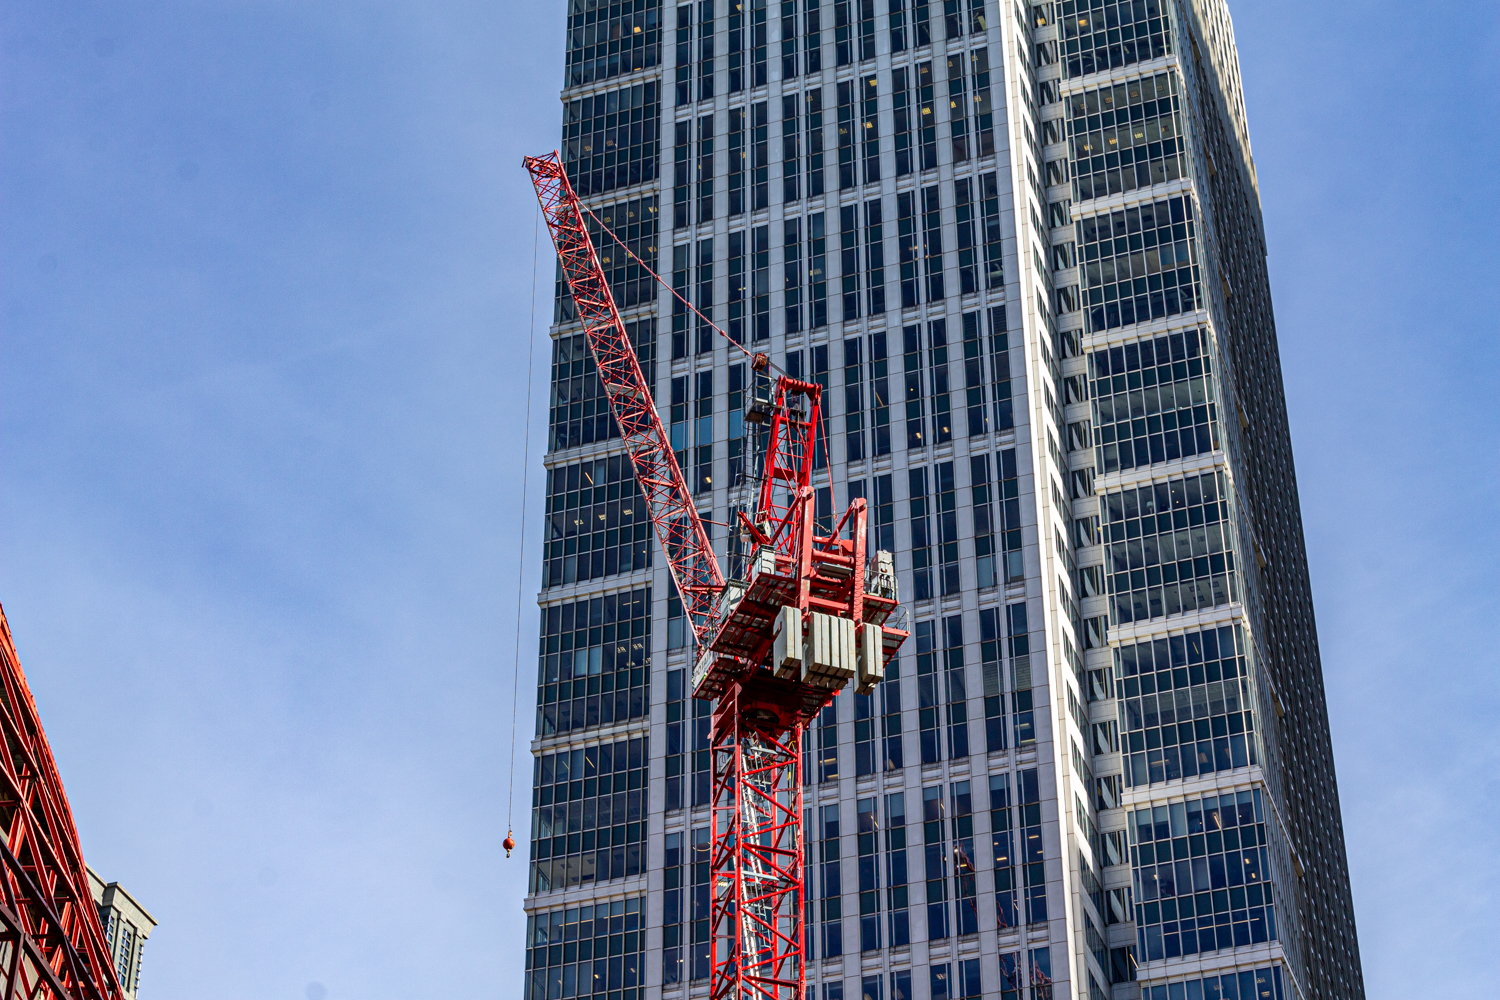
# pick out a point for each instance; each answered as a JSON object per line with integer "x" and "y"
{"x": 813, "y": 613}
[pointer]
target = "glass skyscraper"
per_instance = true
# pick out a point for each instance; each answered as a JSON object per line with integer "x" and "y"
{"x": 1020, "y": 247}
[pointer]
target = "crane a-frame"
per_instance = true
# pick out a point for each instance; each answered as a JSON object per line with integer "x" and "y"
{"x": 812, "y": 614}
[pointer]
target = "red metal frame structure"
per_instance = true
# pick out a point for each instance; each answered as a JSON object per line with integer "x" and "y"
{"x": 798, "y": 579}
{"x": 51, "y": 942}
{"x": 690, "y": 557}
{"x": 756, "y": 855}
{"x": 755, "y": 742}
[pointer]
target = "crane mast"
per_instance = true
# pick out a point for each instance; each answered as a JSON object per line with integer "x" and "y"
{"x": 813, "y": 613}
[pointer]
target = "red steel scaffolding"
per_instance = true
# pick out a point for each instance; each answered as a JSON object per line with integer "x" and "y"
{"x": 51, "y": 942}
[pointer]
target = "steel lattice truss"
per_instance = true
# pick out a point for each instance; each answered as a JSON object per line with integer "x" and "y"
{"x": 756, "y": 903}
{"x": 690, "y": 558}
{"x": 51, "y": 942}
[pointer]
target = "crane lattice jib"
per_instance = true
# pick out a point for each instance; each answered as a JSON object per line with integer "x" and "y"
{"x": 690, "y": 558}
{"x": 52, "y": 945}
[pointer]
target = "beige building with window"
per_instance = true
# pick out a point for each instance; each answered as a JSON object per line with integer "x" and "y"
{"x": 127, "y": 925}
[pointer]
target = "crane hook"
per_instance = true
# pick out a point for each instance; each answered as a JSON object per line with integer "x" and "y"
{"x": 509, "y": 843}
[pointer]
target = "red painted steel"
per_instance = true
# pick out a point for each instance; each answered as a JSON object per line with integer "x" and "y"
{"x": 52, "y": 945}
{"x": 690, "y": 557}
{"x": 757, "y": 729}
{"x": 756, "y": 858}
{"x": 757, "y": 861}
{"x": 789, "y": 462}
{"x": 813, "y": 573}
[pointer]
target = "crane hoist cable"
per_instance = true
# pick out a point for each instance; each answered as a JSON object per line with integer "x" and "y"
{"x": 509, "y": 842}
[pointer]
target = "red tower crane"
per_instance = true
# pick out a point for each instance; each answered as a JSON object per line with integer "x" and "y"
{"x": 51, "y": 942}
{"x": 774, "y": 648}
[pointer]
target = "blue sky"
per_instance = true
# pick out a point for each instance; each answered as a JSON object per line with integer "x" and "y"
{"x": 264, "y": 285}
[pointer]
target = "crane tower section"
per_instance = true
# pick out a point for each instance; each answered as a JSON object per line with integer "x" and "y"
{"x": 814, "y": 612}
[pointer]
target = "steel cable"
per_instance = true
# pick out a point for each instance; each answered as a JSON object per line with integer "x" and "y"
{"x": 515, "y": 707}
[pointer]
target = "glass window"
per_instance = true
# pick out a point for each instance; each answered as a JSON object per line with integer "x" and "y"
{"x": 597, "y": 522}
{"x": 1138, "y": 264}
{"x": 588, "y": 822}
{"x": 1201, "y": 876}
{"x": 607, "y": 39}
{"x": 610, "y": 139}
{"x": 1098, "y": 35}
{"x": 586, "y": 951}
{"x": 1154, "y": 401}
{"x": 1126, "y": 137}
{"x": 1169, "y": 548}
{"x": 1186, "y": 706}
{"x": 593, "y": 662}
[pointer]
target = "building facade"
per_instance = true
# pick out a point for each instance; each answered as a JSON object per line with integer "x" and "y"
{"x": 1020, "y": 247}
{"x": 127, "y": 925}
